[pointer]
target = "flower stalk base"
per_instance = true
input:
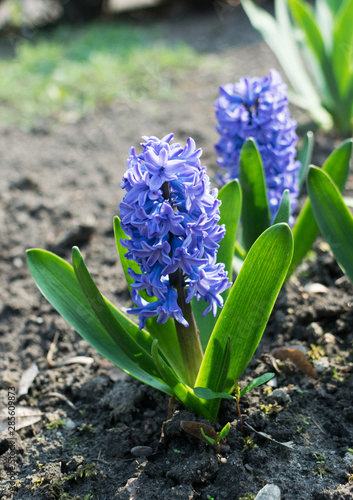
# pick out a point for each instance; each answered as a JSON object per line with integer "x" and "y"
{"x": 188, "y": 336}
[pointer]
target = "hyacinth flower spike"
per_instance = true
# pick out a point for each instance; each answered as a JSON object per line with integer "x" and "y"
{"x": 174, "y": 236}
{"x": 175, "y": 240}
{"x": 258, "y": 108}
{"x": 257, "y": 145}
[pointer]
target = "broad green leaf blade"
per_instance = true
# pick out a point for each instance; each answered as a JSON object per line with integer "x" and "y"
{"x": 305, "y": 229}
{"x": 230, "y": 196}
{"x": 334, "y": 5}
{"x": 283, "y": 213}
{"x": 256, "y": 382}
{"x": 165, "y": 333}
{"x": 230, "y": 210}
{"x": 167, "y": 337}
{"x": 255, "y": 212}
{"x": 108, "y": 320}
{"x": 57, "y": 281}
{"x": 279, "y": 35}
{"x": 305, "y": 155}
{"x": 181, "y": 390}
{"x": 221, "y": 363}
{"x": 249, "y": 304}
{"x": 209, "y": 394}
{"x": 342, "y": 56}
{"x": 333, "y": 217}
{"x": 303, "y": 15}
{"x": 324, "y": 16}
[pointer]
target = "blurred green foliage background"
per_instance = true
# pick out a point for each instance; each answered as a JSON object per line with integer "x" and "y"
{"x": 66, "y": 71}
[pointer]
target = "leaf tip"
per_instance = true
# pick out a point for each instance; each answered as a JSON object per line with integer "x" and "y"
{"x": 76, "y": 256}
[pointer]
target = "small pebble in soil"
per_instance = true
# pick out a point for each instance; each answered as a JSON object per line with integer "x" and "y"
{"x": 315, "y": 330}
{"x": 321, "y": 364}
{"x": 269, "y": 492}
{"x": 18, "y": 262}
{"x": 315, "y": 288}
{"x": 141, "y": 451}
{"x": 329, "y": 338}
{"x": 280, "y": 395}
{"x": 70, "y": 424}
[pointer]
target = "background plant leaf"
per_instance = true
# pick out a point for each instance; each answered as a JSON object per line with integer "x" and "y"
{"x": 305, "y": 229}
{"x": 283, "y": 213}
{"x": 280, "y": 36}
{"x": 304, "y": 156}
{"x": 256, "y": 382}
{"x": 304, "y": 17}
{"x": 342, "y": 50}
{"x": 255, "y": 213}
{"x": 333, "y": 217}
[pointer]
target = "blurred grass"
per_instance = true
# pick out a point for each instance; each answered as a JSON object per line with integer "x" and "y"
{"x": 72, "y": 70}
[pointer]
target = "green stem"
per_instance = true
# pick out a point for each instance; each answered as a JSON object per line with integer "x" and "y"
{"x": 188, "y": 336}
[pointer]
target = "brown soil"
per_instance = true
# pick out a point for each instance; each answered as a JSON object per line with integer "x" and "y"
{"x": 60, "y": 187}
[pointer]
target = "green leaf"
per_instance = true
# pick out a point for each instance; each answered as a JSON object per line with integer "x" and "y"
{"x": 221, "y": 363}
{"x": 333, "y": 5}
{"x": 324, "y": 16}
{"x": 224, "y": 432}
{"x": 126, "y": 263}
{"x": 165, "y": 333}
{"x": 304, "y": 156}
{"x": 246, "y": 312}
{"x": 256, "y": 382}
{"x": 56, "y": 280}
{"x": 283, "y": 213}
{"x": 333, "y": 217}
{"x": 209, "y": 394}
{"x": 108, "y": 320}
{"x": 279, "y": 35}
{"x": 342, "y": 55}
{"x": 303, "y": 15}
{"x": 305, "y": 229}
{"x": 255, "y": 211}
{"x": 230, "y": 196}
{"x": 230, "y": 210}
{"x": 181, "y": 390}
{"x": 208, "y": 438}
{"x": 205, "y": 393}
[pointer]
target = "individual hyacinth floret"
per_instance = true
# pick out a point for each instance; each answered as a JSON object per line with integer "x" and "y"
{"x": 171, "y": 217}
{"x": 258, "y": 108}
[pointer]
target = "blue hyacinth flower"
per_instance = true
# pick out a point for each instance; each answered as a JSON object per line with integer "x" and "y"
{"x": 171, "y": 216}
